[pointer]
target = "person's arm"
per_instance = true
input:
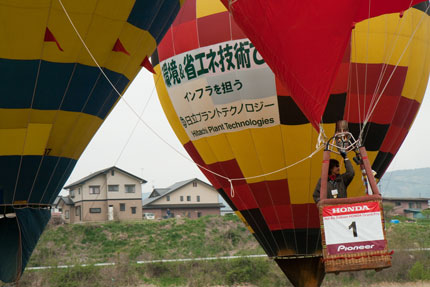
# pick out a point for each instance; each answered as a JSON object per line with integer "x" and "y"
{"x": 349, "y": 174}
{"x": 316, "y": 194}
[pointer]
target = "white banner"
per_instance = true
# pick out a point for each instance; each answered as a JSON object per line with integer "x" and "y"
{"x": 221, "y": 88}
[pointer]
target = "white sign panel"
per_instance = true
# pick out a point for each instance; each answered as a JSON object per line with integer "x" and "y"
{"x": 353, "y": 228}
{"x": 221, "y": 88}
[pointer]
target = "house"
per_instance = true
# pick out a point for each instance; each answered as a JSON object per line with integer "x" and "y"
{"x": 56, "y": 213}
{"x": 408, "y": 207}
{"x": 192, "y": 198}
{"x": 108, "y": 194}
{"x": 66, "y": 207}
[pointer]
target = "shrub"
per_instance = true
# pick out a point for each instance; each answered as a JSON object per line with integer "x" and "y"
{"x": 246, "y": 270}
{"x": 75, "y": 277}
{"x": 419, "y": 272}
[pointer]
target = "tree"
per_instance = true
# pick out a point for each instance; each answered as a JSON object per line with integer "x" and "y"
{"x": 426, "y": 212}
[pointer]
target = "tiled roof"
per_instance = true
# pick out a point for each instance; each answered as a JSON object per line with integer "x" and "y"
{"x": 106, "y": 170}
{"x": 165, "y": 191}
{"x": 67, "y": 200}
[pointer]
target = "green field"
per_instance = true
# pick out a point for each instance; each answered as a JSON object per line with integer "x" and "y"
{"x": 124, "y": 243}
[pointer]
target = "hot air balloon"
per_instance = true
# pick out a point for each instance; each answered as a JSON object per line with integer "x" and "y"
{"x": 54, "y": 97}
{"x": 242, "y": 126}
{"x": 286, "y": 34}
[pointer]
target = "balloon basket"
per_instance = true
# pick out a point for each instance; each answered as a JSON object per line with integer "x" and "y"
{"x": 353, "y": 234}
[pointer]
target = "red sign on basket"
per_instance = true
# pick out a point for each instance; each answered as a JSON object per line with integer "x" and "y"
{"x": 353, "y": 228}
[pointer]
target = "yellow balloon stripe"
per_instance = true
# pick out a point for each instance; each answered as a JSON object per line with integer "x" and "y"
{"x": 206, "y": 8}
{"x": 168, "y": 108}
{"x": 299, "y": 142}
{"x": 36, "y": 138}
{"x": 22, "y": 38}
{"x": 36, "y": 132}
{"x": 214, "y": 149}
{"x": 387, "y": 41}
{"x": 244, "y": 221}
{"x": 100, "y": 28}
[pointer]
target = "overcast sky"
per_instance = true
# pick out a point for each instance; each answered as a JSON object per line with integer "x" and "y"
{"x": 147, "y": 156}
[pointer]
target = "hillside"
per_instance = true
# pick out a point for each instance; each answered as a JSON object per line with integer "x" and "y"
{"x": 406, "y": 183}
{"x": 125, "y": 243}
{"x": 144, "y": 240}
{"x": 399, "y": 183}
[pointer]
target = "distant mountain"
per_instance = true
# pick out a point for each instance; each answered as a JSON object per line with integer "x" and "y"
{"x": 413, "y": 183}
{"x": 408, "y": 183}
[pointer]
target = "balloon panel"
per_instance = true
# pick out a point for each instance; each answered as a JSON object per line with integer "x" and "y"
{"x": 234, "y": 117}
{"x": 307, "y": 56}
{"x": 54, "y": 96}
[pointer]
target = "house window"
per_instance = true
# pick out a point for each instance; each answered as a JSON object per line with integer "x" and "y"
{"x": 398, "y": 203}
{"x": 72, "y": 193}
{"x": 182, "y": 198}
{"x": 188, "y": 197}
{"x": 122, "y": 207}
{"x": 95, "y": 210}
{"x": 79, "y": 190}
{"x": 77, "y": 211}
{"x": 199, "y": 214}
{"x": 67, "y": 215}
{"x": 113, "y": 187}
{"x": 198, "y": 198}
{"x": 411, "y": 204}
{"x": 94, "y": 189}
{"x": 112, "y": 172}
{"x": 168, "y": 197}
{"x": 194, "y": 183}
{"x": 419, "y": 205}
{"x": 60, "y": 210}
{"x": 133, "y": 210}
{"x": 130, "y": 188}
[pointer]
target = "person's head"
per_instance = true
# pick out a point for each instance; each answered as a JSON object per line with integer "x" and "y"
{"x": 333, "y": 168}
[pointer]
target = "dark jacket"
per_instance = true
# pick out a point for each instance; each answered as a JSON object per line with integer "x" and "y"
{"x": 340, "y": 183}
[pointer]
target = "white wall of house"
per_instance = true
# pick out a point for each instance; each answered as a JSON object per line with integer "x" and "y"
{"x": 192, "y": 193}
{"x": 76, "y": 193}
{"x": 124, "y": 183}
{"x": 121, "y": 191}
{"x": 98, "y": 181}
{"x": 67, "y": 212}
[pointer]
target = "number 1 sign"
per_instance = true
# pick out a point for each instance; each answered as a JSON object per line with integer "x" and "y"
{"x": 353, "y": 228}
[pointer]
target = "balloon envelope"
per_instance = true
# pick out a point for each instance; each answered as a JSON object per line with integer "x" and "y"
{"x": 304, "y": 41}
{"x": 237, "y": 120}
{"x": 53, "y": 98}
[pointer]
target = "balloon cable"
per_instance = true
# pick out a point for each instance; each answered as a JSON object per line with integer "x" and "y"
{"x": 371, "y": 111}
{"x": 384, "y": 68}
{"x": 161, "y": 138}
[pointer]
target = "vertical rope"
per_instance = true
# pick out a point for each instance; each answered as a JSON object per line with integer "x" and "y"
{"x": 19, "y": 253}
{"x": 395, "y": 68}
{"x": 31, "y": 107}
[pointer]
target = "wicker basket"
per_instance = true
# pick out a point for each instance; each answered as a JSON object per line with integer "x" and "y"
{"x": 360, "y": 259}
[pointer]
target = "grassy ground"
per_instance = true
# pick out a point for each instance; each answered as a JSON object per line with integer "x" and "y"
{"x": 144, "y": 240}
{"x": 125, "y": 243}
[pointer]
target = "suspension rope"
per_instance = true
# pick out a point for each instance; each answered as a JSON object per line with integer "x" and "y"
{"x": 385, "y": 67}
{"x": 155, "y": 133}
{"x": 357, "y": 83}
{"x": 137, "y": 122}
{"x": 392, "y": 73}
{"x": 230, "y": 180}
{"x": 30, "y": 109}
{"x": 367, "y": 58}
